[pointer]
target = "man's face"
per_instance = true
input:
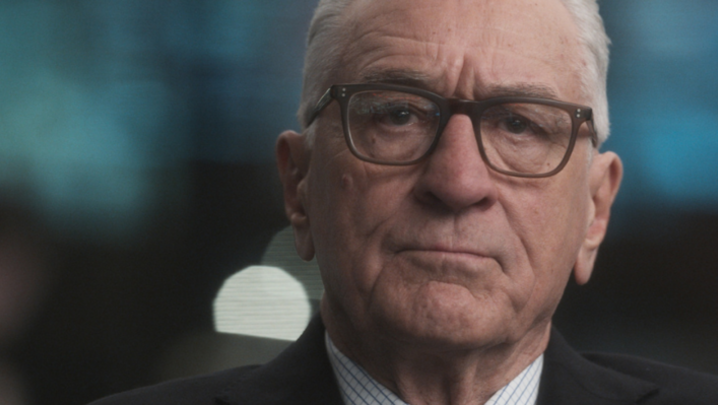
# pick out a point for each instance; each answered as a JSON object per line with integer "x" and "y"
{"x": 447, "y": 252}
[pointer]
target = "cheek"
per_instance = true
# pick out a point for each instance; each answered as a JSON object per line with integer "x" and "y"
{"x": 550, "y": 222}
{"x": 353, "y": 208}
{"x": 548, "y": 230}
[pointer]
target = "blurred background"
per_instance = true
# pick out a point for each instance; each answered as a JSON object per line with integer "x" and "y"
{"x": 137, "y": 174}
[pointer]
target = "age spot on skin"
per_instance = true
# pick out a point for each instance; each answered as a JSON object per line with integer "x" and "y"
{"x": 347, "y": 181}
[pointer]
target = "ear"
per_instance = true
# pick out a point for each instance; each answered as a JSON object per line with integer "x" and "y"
{"x": 293, "y": 165}
{"x": 604, "y": 180}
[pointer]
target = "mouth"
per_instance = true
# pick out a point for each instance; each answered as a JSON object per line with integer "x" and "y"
{"x": 465, "y": 260}
{"x": 446, "y": 253}
{"x": 453, "y": 266}
{"x": 443, "y": 250}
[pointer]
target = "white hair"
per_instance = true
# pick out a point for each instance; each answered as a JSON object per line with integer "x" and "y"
{"x": 325, "y": 44}
{"x": 595, "y": 42}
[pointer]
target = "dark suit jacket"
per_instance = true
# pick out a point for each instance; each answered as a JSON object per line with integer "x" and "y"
{"x": 302, "y": 375}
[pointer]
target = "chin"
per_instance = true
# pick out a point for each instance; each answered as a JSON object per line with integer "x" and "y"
{"x": 455, "y": 320}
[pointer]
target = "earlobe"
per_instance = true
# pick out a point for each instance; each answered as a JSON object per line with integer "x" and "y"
{"x": 604, "y": 180}
{"x": 293, "y": 165}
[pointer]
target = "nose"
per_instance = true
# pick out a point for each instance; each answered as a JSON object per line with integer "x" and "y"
{"x": 455, "y": 176}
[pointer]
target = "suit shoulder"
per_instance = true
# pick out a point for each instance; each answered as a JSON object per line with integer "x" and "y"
{"x": 675, "y": 383}
{"x": 197, "y": 390}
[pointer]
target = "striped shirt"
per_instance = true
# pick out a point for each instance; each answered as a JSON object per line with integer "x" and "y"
{"x": 359, "y": 388}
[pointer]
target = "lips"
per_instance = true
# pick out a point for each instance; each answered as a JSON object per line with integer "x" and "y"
{"x": 446, "y": 245}
{"x": 446, "y": 267}
{"x": 444, "y": 255}
{"x": 440, "y": 249}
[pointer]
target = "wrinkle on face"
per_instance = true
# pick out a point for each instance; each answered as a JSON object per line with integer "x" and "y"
{"x": 485, "y": 51}
{"x": 371, "y": 212}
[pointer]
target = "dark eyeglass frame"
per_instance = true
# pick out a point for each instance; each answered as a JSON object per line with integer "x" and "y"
{"x": 342, "y": 93}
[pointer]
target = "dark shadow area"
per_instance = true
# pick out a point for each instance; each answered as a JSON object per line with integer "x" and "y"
{"x": 117, "y": 309}
{"x": 652, "y": 294}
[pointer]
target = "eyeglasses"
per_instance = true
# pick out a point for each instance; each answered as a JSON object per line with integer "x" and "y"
{"x": 399, "y": 125}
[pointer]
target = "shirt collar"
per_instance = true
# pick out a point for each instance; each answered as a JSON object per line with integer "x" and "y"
{"x": 359, "y": 388}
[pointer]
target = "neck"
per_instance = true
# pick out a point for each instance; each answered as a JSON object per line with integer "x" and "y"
{"x": 424, "y": 375}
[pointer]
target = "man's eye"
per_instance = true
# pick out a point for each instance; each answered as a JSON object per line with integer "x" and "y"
{"x": 516, "y": 125}
{"x": 396, "y": 115}
{"x": 399, "y": 116}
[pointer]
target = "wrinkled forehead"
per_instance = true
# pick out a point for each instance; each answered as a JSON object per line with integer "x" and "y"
{"x": 464, "y": 46}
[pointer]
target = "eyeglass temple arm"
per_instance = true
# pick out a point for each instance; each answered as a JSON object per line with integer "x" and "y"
{"x": 321, "y": 104}
{"x": 592, "y": 128}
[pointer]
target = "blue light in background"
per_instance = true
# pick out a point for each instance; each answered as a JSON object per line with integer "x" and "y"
{"x": 104, "y": 101}
{"x": 662, "y": 94}
{"x": 681, "y": 159}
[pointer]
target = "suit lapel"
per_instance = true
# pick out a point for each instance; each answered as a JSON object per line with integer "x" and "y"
{"x": 301, "y": 374}
{"x": 570, "y": 379}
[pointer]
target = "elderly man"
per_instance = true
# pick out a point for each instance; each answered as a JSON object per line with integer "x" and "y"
{"x": 448, "y": 181}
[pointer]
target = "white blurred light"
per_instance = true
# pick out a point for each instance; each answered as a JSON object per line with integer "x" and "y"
{"x": 262, "y": 301}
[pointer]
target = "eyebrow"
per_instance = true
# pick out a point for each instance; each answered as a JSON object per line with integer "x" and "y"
{"x": 415, "y": 78}
{"x": 520, "y": 90}
{"x": 406, "y": 77}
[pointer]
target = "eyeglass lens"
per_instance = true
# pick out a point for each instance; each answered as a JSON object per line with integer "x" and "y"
{"x": 397, "y": 127}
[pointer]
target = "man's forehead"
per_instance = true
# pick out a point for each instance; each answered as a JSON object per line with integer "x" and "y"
{"x": 455, "y": 17}
{"x": 482, "y": 46}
